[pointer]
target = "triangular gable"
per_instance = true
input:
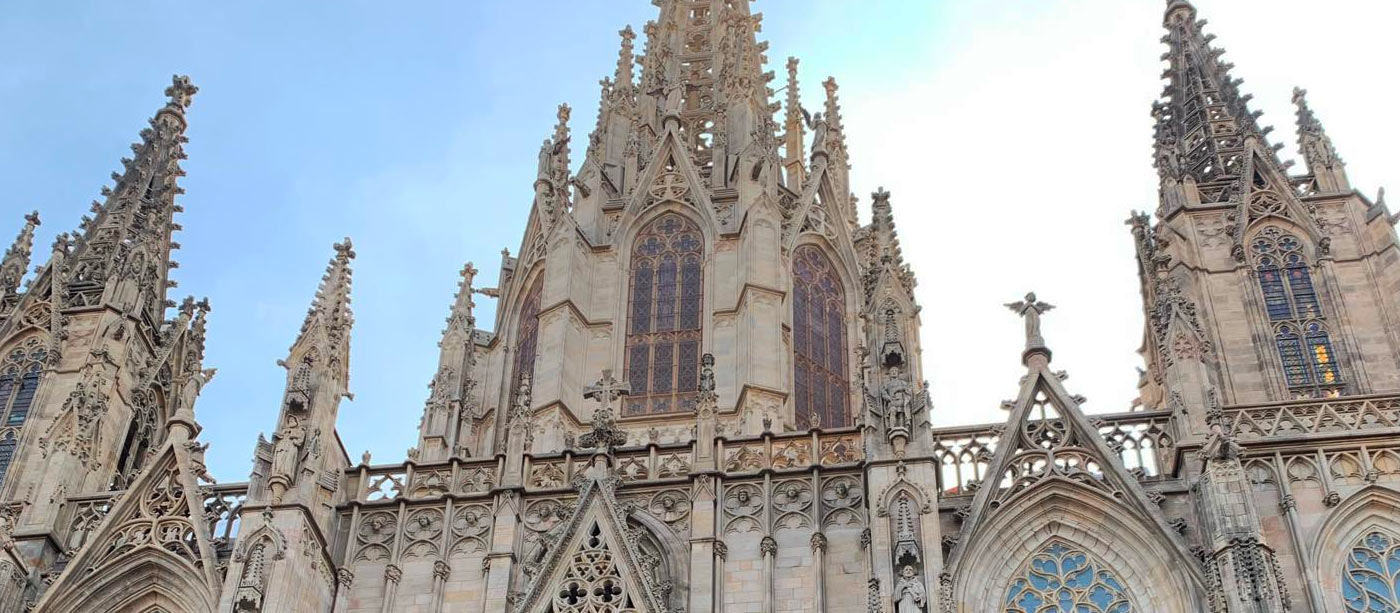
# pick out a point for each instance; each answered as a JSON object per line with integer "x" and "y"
{"x": 1047, "y": 438}
{"x": 595, "y": 567}
{"x": 159, "y": 520}
{"x": 671, "y": 177}
{"x": 1266, "y": 193}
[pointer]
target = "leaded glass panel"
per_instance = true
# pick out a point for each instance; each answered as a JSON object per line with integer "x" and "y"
{"x": 1061, "y": 578}
{"x": 1304, "y": 346}
{"x": 820, "y": 379}
{"x": 527, "y": 333}
{"x": 663, "y": 336}
{"x": 1371, "y": 580}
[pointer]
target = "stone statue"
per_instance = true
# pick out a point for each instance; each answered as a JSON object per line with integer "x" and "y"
{"x": 896, "y": 397}
{"x": 287, "y": 449}
{"x": 1030, "y": 309}
{"x": 909, "y": 592}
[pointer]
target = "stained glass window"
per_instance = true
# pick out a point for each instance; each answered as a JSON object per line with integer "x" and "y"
{"x": 1371, "y": 581}
{"x": 820, "y": 384}
{"x": 20, "y": 373}
{"x": 527, "y": 333}
{"x": 1304, "y": 346}
{"x": 664, "y": 331}
{"x": 1061, "y": 578}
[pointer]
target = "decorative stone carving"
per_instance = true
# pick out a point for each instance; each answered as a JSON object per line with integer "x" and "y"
{"x": 910, "y": 595}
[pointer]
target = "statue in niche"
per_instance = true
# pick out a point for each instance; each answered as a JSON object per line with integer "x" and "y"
{"x": 897, "y": 398}
{"x": 286, "y": 449}
{"x": 909, "y": 592}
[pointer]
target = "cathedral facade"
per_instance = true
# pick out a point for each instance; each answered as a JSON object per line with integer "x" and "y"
{"x": 703, "y": 391}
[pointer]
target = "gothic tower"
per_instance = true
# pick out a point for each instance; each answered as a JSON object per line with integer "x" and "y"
{"x": 1260, "y": 285}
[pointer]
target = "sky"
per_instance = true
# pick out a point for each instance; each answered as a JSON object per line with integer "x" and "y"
{"x": 1014, "y": 136}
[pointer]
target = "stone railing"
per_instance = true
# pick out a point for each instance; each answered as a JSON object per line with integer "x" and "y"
{"x": 1142, "y": 440}
{"x": 650, "y": 463}
{"x": 1315, "y": 417}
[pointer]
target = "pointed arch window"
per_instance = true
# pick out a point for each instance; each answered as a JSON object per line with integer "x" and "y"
{"x": 1064, "y": 578}
{"x": 20, "y": 373}
{"x": 1371, "y": 580}
{"x": 527, "y": 334}
{"x": 1301, "y": 336}
{"x": 664, "y": 323}
{"x": 821, "y": 388}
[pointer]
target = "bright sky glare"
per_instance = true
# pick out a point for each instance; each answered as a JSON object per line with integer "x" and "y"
{"x": 1014, "y": 135}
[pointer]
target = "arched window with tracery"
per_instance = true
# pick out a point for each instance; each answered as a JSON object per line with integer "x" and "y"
{"x": 20, "y": 373}
{"x": 821, "y": 387}
{"x": 1371, "y": 580}
{"x": 1300, "y": 330}
{"x": 527, "y": 335}
{"x": 1061, "y": 577}
{"x": 664, "y": 324}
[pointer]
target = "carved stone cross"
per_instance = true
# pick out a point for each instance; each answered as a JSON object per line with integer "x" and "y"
{"x": 181, "y": 91}
{"x": 606, "y": 390}
{"x": 1031, "y": 309}
{"x": 605, "y": 434}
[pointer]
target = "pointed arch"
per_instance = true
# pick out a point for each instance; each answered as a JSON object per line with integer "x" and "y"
{"x": 665, "y": 314}
{"x": 150, "y": 579}
{"x": 527, "y": 333}
{"x": 821, "y": 366}
{"x": 21, "y": 371}
{"x": 1294, "y": 311}
{"x": 1343, "y": 537}
{"x": 1087, "y": 520}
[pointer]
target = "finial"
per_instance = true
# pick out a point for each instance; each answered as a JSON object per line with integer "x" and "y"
{"x": 605, "y": 434}
{"x": 344, "y": 250}
{"x": 880, "y": 195}
{"x": 181, "y": 92}
{"x": 1031, "y": 309}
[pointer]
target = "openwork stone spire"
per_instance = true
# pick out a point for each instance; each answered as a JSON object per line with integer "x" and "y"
{"x": 16, "y": 261}
{"x": 1204, "y": 126}
{"x": 1324, "y": 164}
{"x": 129, "y": 243}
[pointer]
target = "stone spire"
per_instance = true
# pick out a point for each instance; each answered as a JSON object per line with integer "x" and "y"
{"x": 318, "y": 366}
{"x": 326, "y": 329}
{"x": 836, "y": 136}
{"x": 122, "y": 255}
{"x": 622, "y": 76}
{"x": 1204, "y": 128}
{"x": 882, "y": 251}
{"x": 449, "y": 413}
{"x": 552, "y": 178}
{"x": 16, "y": 261}
{"x": 794, "y": 133}
{"x": 1324, "y": 164}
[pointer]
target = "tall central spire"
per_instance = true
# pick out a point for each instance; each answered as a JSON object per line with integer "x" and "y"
{"x": 1204, "y": 126}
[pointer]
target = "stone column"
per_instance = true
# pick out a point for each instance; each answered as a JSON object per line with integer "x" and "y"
{"x": 441, "y": 571}
{"x": 703, "y": 546}
{"x": 819, "y": 567}
{"x": 769, "y": 548}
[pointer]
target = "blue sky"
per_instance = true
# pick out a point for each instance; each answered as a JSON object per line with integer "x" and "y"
{"x": 1013, "y": 134}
